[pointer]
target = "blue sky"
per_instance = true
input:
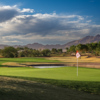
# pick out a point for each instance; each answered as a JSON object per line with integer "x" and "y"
{"x": 48, "y": 21}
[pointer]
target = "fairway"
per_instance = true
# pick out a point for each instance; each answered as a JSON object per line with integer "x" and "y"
{"x": 27, "y": 59}
{"x": 23, "y": 62}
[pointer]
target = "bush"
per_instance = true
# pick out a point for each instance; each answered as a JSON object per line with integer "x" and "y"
{"x": 9, "y": 52}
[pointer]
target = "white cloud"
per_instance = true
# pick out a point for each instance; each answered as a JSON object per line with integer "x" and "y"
{"x": 16, "y": 27}
{"x": 8, "y": 7}
{"x": 28, "y": 10}
{"x": 11, "y": 41}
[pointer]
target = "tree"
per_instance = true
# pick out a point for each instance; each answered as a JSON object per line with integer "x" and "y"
{"x": 72, "y": 49}
{"x": 67, "y": 48}
{"x": 59, "y": 50}
{"x": 82, "y": 48}
{"x": 19, "y": 48}
{"x": 89, "y": 45}
{"x": 46, "y": 52}
{"x": 54, "y": 50}
{"x": 97, "y": 51}
{"x": 36, "y": 53}
{"x": 21, "y": 54}
{"x": 9, "y": 52}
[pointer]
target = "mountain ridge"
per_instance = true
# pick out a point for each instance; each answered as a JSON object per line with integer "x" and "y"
{"x": 84, "y": 40}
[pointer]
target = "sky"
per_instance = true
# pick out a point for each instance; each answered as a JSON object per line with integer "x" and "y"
{"x": 48, "y": 21}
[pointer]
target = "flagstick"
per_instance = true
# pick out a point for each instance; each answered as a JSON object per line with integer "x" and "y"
{"x": 77, "y": 66}
{"x": 77, "y": 56}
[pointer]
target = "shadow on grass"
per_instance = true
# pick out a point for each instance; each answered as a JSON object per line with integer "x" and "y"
{"x": 21, "y": 89}
{"x": 3, "y": 66}
{"x": 86, "y": 86}
{"x": 8, "y": 66}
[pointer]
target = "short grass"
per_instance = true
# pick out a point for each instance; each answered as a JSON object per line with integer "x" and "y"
{"x": 88, "y": 79}
{"x": 27, "y": 60}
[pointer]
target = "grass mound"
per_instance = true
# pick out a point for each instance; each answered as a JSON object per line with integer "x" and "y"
{"x": 88, "y": 79}
{"x": 20, "y": 89}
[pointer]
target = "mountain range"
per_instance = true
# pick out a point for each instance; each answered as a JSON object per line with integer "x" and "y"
{"x": 87, "y": 39}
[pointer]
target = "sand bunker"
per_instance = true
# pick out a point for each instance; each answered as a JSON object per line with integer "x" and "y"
{"x": 13, "y": 64}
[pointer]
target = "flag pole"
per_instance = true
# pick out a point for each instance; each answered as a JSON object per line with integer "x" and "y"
{"x": 77, "y": 66}
{"x": 77, "y": 56}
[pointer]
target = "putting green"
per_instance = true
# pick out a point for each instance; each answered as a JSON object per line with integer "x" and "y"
{"x": 63, "y": 73}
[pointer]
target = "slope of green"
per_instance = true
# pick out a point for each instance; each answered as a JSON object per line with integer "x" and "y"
{"x": 64, "y": 73}
{"x": 88, "y": 79}
{"x": 19, "y": 89}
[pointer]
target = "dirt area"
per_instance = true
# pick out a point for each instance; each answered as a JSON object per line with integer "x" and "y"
{"x": 80, "y": 64}
{"x": 88, "y": 65}
{"x": 13, "y": 64}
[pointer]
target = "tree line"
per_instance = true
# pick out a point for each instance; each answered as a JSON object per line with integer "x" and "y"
{"x": 11, "y": 52}
{"x": 93, "y": 48}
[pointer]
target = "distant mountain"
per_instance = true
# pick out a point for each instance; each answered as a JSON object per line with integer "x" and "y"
{"x": 40, "y": 46}
{"x": 87, "y": 39}
{"x": 35, "y": 46}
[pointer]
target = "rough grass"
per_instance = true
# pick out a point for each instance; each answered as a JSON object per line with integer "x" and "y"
{"x": 19, "y": 89}
{"x": 74, "y": 59}
{"x": 84, "y": 61}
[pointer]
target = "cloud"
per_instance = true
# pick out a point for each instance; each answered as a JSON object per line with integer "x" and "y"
{"x": 28, "y": 10}
{"x": 9, "y": 12}
{"x": 18, "y": 27}
{"x": 43, "y": 24}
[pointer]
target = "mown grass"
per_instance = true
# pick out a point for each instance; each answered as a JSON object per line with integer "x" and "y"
{"x": 26, "y": 59}
{"x": 64, "y": 78}
{"x": 88, "y": 79}
{"x": 19, "y": 61}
